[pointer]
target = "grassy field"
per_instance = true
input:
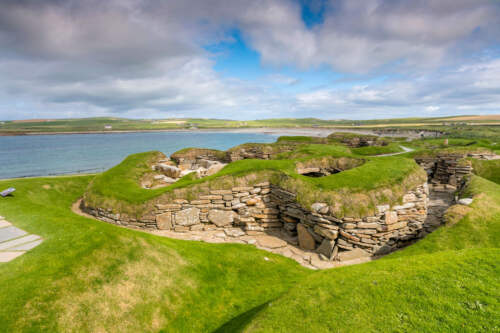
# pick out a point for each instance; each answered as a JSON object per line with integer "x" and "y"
{"x": 457, "y": 125}
{"x": 89, "y": 276}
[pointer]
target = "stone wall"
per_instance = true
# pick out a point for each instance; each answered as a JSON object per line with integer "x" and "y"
{"x": 266, "y": 208}
{"x": 449, "y": 169}
{"x": 261, "y": 152}
{"x": 446, "y": 169}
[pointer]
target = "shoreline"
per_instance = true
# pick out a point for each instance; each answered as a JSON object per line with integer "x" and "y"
{"x": 298, "y": 131}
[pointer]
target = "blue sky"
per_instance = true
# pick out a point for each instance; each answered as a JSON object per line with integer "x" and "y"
{"x": 338, "y": 59}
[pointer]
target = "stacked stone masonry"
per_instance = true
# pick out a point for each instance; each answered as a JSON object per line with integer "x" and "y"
{"x": 450, "y": 169}
{"x": 263, "y": 207}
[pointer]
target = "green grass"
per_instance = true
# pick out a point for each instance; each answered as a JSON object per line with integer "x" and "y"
{"x": 378, "y": 150}
{"x": 90, "y": 276}
{"x": 487, "y": 169}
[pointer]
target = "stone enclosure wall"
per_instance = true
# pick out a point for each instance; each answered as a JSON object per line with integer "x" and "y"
{"x": 267, "y": 208}
{"x": 448, "y": 169}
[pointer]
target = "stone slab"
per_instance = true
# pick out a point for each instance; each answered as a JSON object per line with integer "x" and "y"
{"x": 4, "y": 224}
{"x": 270, "y": 242}
{"x": 18, "y": 241}
{"x": 8, "y": 256}
{"x": 27, "y": 246}
{"x": 10, "y": 233}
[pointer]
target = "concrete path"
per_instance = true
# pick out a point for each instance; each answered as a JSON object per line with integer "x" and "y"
{"x": 14, "y": 242}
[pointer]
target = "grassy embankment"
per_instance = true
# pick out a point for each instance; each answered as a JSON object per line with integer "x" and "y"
{"x": 89, "y": 276}
{"x": 352, "y": 192}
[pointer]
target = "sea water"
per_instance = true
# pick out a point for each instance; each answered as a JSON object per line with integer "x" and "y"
{"x": 47, "y": 155}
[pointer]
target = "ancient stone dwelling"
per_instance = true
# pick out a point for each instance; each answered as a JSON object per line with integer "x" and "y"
{"x": 265, "y": 208}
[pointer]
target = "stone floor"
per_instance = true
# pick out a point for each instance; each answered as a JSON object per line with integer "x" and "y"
{"x": 14, "y": 242}
{"x": 276, "y": 242}
{"x": 440, "y": 199}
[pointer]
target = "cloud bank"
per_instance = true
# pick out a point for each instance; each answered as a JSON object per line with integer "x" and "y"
{"x": 148, "y": 58}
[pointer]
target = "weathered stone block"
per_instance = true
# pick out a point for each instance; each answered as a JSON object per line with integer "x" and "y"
{"x": 200, "y": 202}
{"x": 164, "y": 221}
{"x": 354, "y": 254}
{"x": 364, "y": 225}
{"x": 221, "y": 217}
{"x": 187, "y": 217}
{"x": 328, "y": 233}
{"x": 168, "y": 206}
{"x": 326, "y": 248}
{"x": 391, "y": 217}
{"x": 306, "y": 240}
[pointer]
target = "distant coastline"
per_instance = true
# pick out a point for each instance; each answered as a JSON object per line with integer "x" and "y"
{"x": 308, "y": 131}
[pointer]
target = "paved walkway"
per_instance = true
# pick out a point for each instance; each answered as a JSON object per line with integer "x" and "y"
{"x": 14, "y": 242}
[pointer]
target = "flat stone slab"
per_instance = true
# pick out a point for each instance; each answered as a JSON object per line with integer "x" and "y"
{"x": 26, "y": 246}
{"x": 14, "y": 242}
{"x": 18, "y": 241}
{"x": 270, "y": 242}
{"x": 10, "y": 233}
{"x": 4, "y": 224}
{"x": 10, "y": 255}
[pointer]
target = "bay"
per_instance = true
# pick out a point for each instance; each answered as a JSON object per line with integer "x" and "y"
{"x": 47, "y": 155}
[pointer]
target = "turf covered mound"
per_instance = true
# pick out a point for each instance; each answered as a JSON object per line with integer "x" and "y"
{"x": 354, "y": 192}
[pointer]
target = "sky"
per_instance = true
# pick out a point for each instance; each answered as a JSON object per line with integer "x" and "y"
{"x": 241, "y": 59}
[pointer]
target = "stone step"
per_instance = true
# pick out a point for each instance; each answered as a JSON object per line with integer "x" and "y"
{"x": 4, "y": 224}
{"x": 8, "y": 256}
{"x": 18, "y": 241}
{"x": 10, "y": 232}
{"x": 27, "y": 246}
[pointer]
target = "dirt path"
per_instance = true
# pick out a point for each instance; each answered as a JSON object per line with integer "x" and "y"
{"x": 405, "y": 150}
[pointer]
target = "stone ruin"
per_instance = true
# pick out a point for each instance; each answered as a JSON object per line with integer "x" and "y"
{"x": 448, "y": 169}
{"x": 321, "y": 167}
{"x": 262, "y": 208}
{"x": 168, "y": 172}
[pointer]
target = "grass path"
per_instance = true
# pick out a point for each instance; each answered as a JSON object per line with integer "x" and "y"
{"x": 89, "y": 276}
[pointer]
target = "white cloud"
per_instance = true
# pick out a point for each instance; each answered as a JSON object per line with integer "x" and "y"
{"x": 432, "y": 108}
{"x": 145, "y": 57}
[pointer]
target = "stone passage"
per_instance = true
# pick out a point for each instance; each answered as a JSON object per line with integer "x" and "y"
{"x": 14, "y": 241}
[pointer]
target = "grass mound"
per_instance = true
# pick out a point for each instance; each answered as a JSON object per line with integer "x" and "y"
{"x": 391, "y": 148}
{"x": 353, "y": 193}
{"x": 487, "y": 169}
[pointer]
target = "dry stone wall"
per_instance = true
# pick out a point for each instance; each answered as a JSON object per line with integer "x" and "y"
{"x": 448, "y": 169}
{"x": 263, "y": 207}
